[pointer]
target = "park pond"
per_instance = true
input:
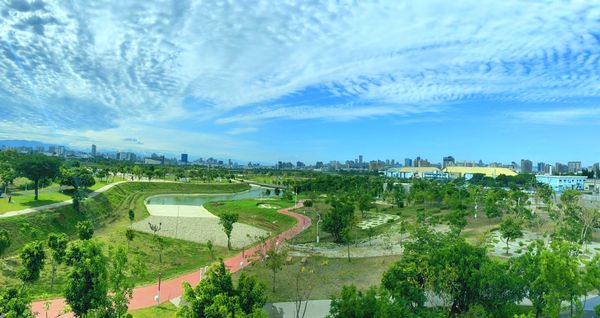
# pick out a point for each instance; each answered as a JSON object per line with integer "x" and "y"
{"x": 201, "y": 199}
{"x": 184, "y": 217}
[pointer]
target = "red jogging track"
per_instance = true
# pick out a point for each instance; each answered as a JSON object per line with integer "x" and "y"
{"x": 143, "y": 296}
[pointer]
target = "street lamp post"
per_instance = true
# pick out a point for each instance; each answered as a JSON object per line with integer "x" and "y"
{"x": 155, "y": 229}
{"x": 318, "y": 223}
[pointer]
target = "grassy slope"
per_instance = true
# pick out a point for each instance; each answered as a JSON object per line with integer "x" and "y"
{"x": 249, "y": 212}
{"x": 109, "y": 210}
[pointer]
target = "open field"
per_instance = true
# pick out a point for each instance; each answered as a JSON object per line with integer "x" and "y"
{"x": 109, "y": 213}
{"x": 325, "y": 276}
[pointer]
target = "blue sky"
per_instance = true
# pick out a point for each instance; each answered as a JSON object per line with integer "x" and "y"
{"x": 306, "y": 80}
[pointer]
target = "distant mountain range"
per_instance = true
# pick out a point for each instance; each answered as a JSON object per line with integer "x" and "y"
{"x": 23, "y": 143}
{"x": 33, "y": 144}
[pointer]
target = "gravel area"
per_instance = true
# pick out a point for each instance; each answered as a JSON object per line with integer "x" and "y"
{"x": 201, "y": 229}
{"x": 189, "y": 211}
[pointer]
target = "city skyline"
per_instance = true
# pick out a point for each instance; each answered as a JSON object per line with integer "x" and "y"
{"x": 275, "y": 81}
{"x": 525, "y": 165}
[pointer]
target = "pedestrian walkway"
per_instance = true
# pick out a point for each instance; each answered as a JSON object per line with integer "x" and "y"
{"x": 143, "y": 296}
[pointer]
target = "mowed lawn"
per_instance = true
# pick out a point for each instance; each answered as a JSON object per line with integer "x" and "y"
{"x": 21, "y": 202}
{"x": 251, "y": 213}
{"x": 25, "y": 199}
{"x": 165, "y": 310}
{"x": 109, "y": 213}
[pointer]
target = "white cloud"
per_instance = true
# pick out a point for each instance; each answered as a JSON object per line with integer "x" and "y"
{"x": 558, "y": 116}
{"x": 242, "y": 130}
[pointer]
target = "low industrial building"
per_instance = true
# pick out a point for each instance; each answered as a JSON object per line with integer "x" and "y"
{"x": 433, "y": 173}
{"x": 468, "y": 172}
{"x": 561, "y": 183}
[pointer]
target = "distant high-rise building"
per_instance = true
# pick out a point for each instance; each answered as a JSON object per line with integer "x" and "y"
{"x": 360, "y": 159}
{"x": 541, "y": 167}
{"x": 184, "y": 157}
{"x": 408, "y": 162}
{"x": 94, "y": 150}
{"x": 39, "y": 149}
{"x": 560, "y": 168}
{"x": 574, "y": 166}
{"x": 60, "y": 151}
{"x": 448, "y": 161}
{"x": 526, "y": 166}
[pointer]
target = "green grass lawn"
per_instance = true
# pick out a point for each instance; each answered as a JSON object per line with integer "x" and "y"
{"x": 249, "y": 212}
{"x": 109, "y": 213}
{"x": 324, "y": 276}
{"x": 21, "y": 202}
{"x": 165, "y": 310}
{"x": 25, "y": 199}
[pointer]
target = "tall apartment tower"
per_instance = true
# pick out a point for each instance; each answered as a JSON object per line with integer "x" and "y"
{"x": 574, "y": 166}
{"x": 94, "y": 150}
{"x": 447, "y": 161}
{"x": 526, "y": 166}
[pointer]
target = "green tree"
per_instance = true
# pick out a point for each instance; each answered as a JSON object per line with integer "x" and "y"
{"x": 354, "y": 303}
{"x": 120, "y": 282}
{"x": 308, "y": 203}
{"x": 14, "y": 304}
{"x": 209, "y": 245}
{"x": 130, "y": 235}
{"x": 4, "y": 241}
{"x": 275, "y": 259}
{"x": 131, "y": 215}
{"x": 37, "y": 167}
{"x": 252, "y": 293}
{"x": 364, "y": 204}
{"x": 137, "y": 171}
{"x": 78, "y": 196}
{"x": 77, "y": 178}
{"x": 339, "y": 219}
{"x": 227, "y": 220}
{"x": 87, "y": 278}
{"x": 510, "y": 229}
{"x": 85, "y": 229}
{"x": 57, "y": 243}
{"x": 215, "y": 296}
{"x": 7, "y": 175}
{"x": 277, "y": 191}
{"x": 32, "y": 257}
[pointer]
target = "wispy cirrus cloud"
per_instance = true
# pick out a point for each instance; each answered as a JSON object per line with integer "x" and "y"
{"x": 558, "y": 116}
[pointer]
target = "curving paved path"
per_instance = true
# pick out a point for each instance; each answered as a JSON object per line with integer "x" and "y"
{"x": 143, "y": 296}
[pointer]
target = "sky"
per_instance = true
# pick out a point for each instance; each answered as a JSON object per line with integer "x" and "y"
{"x": 271, "y": 80}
